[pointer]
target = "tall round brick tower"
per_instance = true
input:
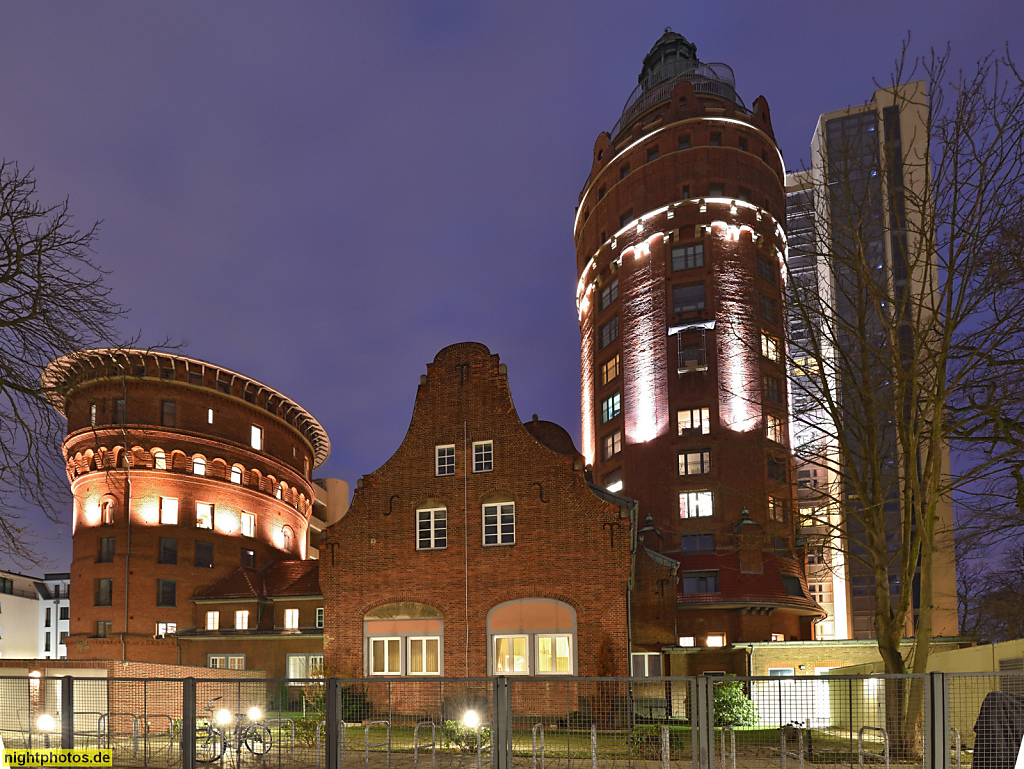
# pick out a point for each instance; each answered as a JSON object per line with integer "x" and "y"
{"x": 181, "y": 471}
{"x": 679, "y": 244}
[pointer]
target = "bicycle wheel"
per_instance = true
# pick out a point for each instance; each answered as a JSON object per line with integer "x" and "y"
{"x": 209, "y": 744}
{"x": 258, "y": 740}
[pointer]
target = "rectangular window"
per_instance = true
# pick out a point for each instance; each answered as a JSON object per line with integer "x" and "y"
{"x": 625, "y": 217}
{"x": 611, "y": 445}
{"x": 204, "y": 555}
{"x": 781, "y": 546}
{"x": 106, "y": 554}
{"x": 776, "y": 509}
{"x": 777, "y": 469}
{"x": 698, "y": 582}
{"x": 815, "y": 555}
{"x": 248, "y": 524}
{"x": 624, "y": 171}
{"x": 715, "y": 140}
{"x": 687, "y": 641}
{"x": 693, "y": 421}
{"x": 169, "y": 511}
{"x": 320, "y": 616}
{"x": 65, "y": 611}
{"x": 256, "y": 437}
{"x": 92, "y": 414}
{"x": 645, "y": 664}
{"x": 209, "y": 416}
{"x": 103, "y": 628}
{"x": 715, "y": 641}
{"x": 609, "y": 293}
{"x": 49, "y": 617}
{"x": 608, "y": 333}
{"x": 821, "y": 592}
{"x": 684, "y": 142}
{"x": 432, "y": 529}
{"x": 743, "y": 144}
{"x": 510, "y": 655}
{"x": 483, "y": 456}
{"x": 500, "y": 524}
{"x": 120, "y": 411}
{"x": 385, "y": 656}
{"x": 688, "y": 298}
{"x": 444, "y": 460}
{"x": 164, "y": 629}
{"x": 766, "y": 269}
{"x": 166, "y": 592}
{"x": 610, "y": 369}
{"x": 698, "y": 543}
{"x": 769, "y": 309}
{"x": 424, "y": 656}
{"x": 688, "y": 257}
{"x": 774, "y": 428}
{"x": 716, "y": 191}
{"x": 695, "y": 462}
{"x": 168, "y": 413}
{"x": 652, "y": 154}
{"x": 226, "y": 662}
{"x": 791, "y": 584}
{"x": 204, "y": 515}
{"x": 611, "y": 407}
{"x": 168, "y": 551}
{"x": 291, "y": 619}
{"x": 242, "y": 619}
{"x": 695, "y": 504}
{"x": 248, "y": 558}
{"x": 613, "y": 481}
{"x": 770, "y": 347}
{"x": 213, "y": 620}
{"x": 554, "y": 654}
{"x": 772, "y": 389}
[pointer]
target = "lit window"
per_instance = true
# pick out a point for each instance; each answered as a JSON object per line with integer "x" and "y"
{"x": 432, "y": 529}
{"x": 287, "y": 538}
{"x": 695, "y": 504}
{"x": 778, "y": 636}
{"x": 695, "y": 462}
{"x": 209, "y": 416}
{"x": 424, "y": 656}
{"x": 554, "y": 654}
{"x": 611, "y": 407}
{"x": 612, "y": 444}
{"x": 776, "y": 509}
{"x": 609, "y": 293}
{"x": 236, "y": 474}
{"x": 444, "y": 460}
{"x": 774, "y": 429}
{"x": 291, "y": 619}
{"x": 248, "y": 558}
{"x": 213, "y": 620}
{"x": 645, "y": 664}
{"x": 500, "y": 524}
{"x": 226, "y": 661}
{"x": 92, "y": 414}
{"x": 256, "y": 438}
{"x": 320, "y": 616}
{"x": 821, "y": 592}
{"x": 166, "y": 590}
{"x": 483, "y": 456}
{"x": 510, "y": 655}
{"x": 107, "y": 513}
{"x": 693, "y": 420}
{"x": 198, "y": 466}
{"x": 689, "y": 298}
{"x": 688, "y": 257}
{"x": 248, "y": 524}
{"x": 305, "y": 665}
{"x": 610, "y": 369}
{"x": 166, "y": 628}
{"x": 769, "y": 347}
{"x": 716, "y": 640}
{"x": 168, "y": 511}
{"x": 608, "y": 333}
{"x": 159, "y": 460}
{"x": 277, "y": 491}
{"x": 204, "y": 515}
{"x": 168, "y": 413}
{"x": 687, "y": 641}
{"x": 242, "y": 619}
{"x": 385, "y": 656}
{"x": 699, "y": 582}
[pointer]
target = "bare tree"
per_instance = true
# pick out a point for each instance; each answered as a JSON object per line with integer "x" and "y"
{"x": 909, "y": 302}
{"x": 53, "y": 302}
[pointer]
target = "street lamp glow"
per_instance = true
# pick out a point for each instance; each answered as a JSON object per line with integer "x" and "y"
{"x": 223, "y": 717}
{"x": 255, "y": 714}
{"x": 46, "y": 723}
{"x": 471, "y": 720}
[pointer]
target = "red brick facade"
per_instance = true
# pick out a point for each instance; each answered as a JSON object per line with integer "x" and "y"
{"x": 570, "y": 553}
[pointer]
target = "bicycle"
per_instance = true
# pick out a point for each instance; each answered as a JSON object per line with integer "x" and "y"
{"x": 212, "y": 738}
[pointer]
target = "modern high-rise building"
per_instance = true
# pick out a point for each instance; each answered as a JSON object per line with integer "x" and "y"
{"x": 679, "y": 248}
{"x": 856, "y": 189}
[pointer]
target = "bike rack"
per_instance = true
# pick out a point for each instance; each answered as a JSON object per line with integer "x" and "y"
{"x": 291, "y": 724}
{"x": 319, "y": 744}
{"x": 732, "y": 735}
{"x": 104, "y": 720}
{"x": 860, "y": 744}
{"x": 89, "y": 735}
{"x": 386, "y": 742}
{"x": 533, "y": 735}
{"x": 479, "y": 748}
{"x": 800, "y": 745}
{"x": 957, "y": 751}
{"x": 416, "y": 742}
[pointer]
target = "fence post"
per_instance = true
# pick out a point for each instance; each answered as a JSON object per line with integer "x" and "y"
{"x": 501, "y": 731}
{"x": 704, "y": 747}
{"x": 936, "y": 706}
{"x": 333, "y": 730}
{"x": 188, "y": 723}
{"x": 67, "y": 713}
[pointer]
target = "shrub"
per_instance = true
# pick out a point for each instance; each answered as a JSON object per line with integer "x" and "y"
{"x": 455, "y": 734}
{"x": 732, "y": 705}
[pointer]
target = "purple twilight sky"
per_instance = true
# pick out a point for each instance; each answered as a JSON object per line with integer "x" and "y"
{"x": 322, "y": 195}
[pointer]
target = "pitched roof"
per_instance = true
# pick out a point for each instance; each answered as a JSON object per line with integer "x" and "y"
{"x": 278, "y": 579}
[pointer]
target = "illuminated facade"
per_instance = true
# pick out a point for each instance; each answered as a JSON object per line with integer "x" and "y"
{"x": 679, "y": 249}
{"x": 181, "y": 472}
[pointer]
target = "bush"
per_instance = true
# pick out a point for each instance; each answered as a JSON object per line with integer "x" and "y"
{"x": 455, "y": 734}
{"x": 732, "y": 705}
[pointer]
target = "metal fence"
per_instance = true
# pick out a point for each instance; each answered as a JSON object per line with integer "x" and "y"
{"x": 934, "y": 721}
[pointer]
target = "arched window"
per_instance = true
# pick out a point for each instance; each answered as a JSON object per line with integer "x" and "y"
{"x": 404, "y": 639}
{"x": 107, "y": 512}
{"x": 287, "y": 538}
{"x": 531, "y": 636}
{"x": 236, "y": 474}
{"x": 159, "y": 460}
{"x": 198, "y": 466}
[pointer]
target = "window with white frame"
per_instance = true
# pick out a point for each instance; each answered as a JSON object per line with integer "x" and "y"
{"x": 300, "y": 666}
{"x": 319, "y": 616}
{"x": 483, "y": 456}
{"x": 645, "y": 664}
{"x": 693, "y": 421}
{"x": 774, "y": 428}
{"x": 611, "y": 445}
{"x": 242, "y": 619}
{"x": 695, "y": 504}
{"x": 424, "y": 656}
{"x": 236, "y": 474}
{"x": 291, "y": 619}
{"x": 226, "y": 661}
{"x": 385, "y": 656}
{"x": 159, "y": 460}
{"x": 248, "y": 522}
{"x": 554, "y": 654}
{"x": 695, "y": 462}
{"x": 500, "y": 523}
{"x": 715, "y": 640}
{"x": 164, "y": 629}
{"x": 204, "y": 515}
{"x": 432, "y": 528}
{"x": 444, "y": 460}
{"x": 511, "y": 656}
{"x": 169, "y": 511}
{"x": 198, "y": 466}
{"x": 213, "y": 620}
{"x": 256, "y": 437}
{"x": 611, "y": 407}
{"x": 548, "y": 648}
{"x": 687, "y": 641}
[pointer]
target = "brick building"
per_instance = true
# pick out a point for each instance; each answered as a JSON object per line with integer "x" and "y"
{"x": 679, "y": 244}
{"x": 479, "y": 548}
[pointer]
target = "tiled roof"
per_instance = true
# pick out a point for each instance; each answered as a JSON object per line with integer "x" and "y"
{"x": 279, "y": 579}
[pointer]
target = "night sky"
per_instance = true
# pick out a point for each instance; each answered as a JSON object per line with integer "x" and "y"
{"x": 323, "y": 195}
